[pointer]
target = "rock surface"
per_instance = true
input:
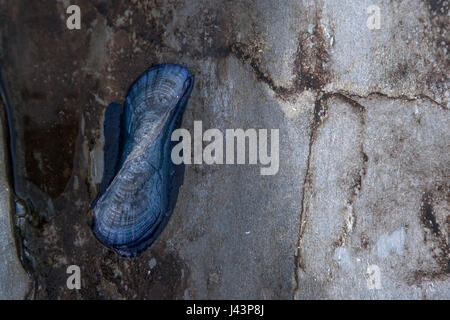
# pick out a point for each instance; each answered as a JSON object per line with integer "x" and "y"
{"x": 376, "y": 200}
{"x": 14, "y": 282}
{"x": 359, "y": 207}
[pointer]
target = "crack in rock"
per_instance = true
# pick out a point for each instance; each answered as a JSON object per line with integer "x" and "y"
{"x": 320, "y": 115}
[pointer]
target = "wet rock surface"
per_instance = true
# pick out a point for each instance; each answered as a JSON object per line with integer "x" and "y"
{"x": 362, "y": 187}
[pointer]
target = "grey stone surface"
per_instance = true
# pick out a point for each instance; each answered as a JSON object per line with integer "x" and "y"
{"x": 377, "y": 195}
{"x": 237, "y": 229}
{"x": 359, "y": 207}
{"x": 14, "y": 282}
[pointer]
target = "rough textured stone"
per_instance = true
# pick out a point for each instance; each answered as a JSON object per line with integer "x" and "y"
{"x": 14, "y": 282}
{"x": 407, "y": 56}
{"x": 362, "y": 186}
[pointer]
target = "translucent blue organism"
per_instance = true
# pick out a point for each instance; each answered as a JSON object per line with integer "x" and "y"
{"x": 140, "y": 185}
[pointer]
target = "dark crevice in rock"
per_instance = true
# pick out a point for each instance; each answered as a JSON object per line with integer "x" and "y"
{"x": 311, "y": 59}
{"x": 359, "y": 175}
{"x": 9, "y": 133}
{"x": 241, "y": 52}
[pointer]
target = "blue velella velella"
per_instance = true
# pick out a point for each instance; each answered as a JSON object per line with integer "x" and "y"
{"x": 140, "y": 183}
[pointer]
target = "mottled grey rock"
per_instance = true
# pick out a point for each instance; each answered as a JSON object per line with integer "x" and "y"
{"x": 359, "y": 206}
{"x": 14, "y": 282}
